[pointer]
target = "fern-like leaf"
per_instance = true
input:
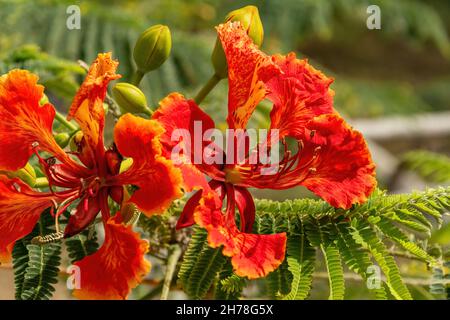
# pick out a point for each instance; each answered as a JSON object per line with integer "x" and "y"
{"x": 82, "y": 245}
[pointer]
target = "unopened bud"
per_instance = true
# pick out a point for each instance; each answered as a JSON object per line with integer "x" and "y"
{"x": 249, "y": 18}
{"x": 130, "y": 98}
{"x": 152, "y": 48}
{"x": 62, "y": 139}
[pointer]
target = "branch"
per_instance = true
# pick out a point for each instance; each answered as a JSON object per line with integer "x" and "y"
{"x": 174, "y": 256}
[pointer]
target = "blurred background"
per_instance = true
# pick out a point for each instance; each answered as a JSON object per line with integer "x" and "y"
{"x": 393, "y": 83}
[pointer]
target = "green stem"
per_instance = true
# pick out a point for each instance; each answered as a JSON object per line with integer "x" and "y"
{"x": 62, "y": 119}
{"x": 148, "y": 112}
{"x": 137, "y": 77}
{"x": 41, "y": 182}
{"x": 174, "y": 255}
{"x": 212, "y": 82}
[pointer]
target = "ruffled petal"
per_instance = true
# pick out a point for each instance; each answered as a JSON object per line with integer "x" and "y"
{"x": 343, "y": 172}
{"x": 117, "y": 267}
{"x": 299, "y": 94}
{"x": 158, "y": 180}
{"x": 248, "y": 70}
{"x": 20, "y": 209}
{"x": 252, "y": 255}
{"x": 23, "y": 121}
{"x": 87, "y": 106}
{"x": 177, "y": 113}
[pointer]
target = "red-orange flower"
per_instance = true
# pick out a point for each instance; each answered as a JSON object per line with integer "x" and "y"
{"x": 331, "y": 159}
{"x": 84, "y": 179}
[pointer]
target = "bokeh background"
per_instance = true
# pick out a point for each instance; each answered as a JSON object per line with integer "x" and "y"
{"x": 393, "y": 84}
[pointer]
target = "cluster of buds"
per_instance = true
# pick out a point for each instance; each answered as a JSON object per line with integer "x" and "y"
{"x": 151, "y": 50}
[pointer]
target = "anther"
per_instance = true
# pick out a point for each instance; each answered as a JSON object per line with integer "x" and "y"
{"x": 312, "y": 170}
{"x": 35, "y": 144}
{"x": 312, "y": 133}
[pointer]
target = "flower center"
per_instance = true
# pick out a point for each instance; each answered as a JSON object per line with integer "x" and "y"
{"x": 232, "y": 175}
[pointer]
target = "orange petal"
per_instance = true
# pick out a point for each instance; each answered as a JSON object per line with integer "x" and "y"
{"x": 299, "y": 94}
{"x": 87, "y": 106}
{"x": 248, "y": 70}
{"x": 20, "y": 209}
{"x": 252, "y": 255}
{"x": 117, "y": 267}
{"x": 23, "y": 121}
{"x": 344, "y": 173}
{"x": 158, "y": 180}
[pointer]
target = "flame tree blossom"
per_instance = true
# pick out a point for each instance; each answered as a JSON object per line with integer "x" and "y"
{"x": 329, "y": 157}
{"x": 84, "y": 180}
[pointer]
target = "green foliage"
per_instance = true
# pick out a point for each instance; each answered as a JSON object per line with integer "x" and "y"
{"x": 82, "y": 245}
{"x": 301, "y": 258}
{"x": 357, "y": 237}
{"x": 200, "y": 267}
{"x": 431, "y": 166}
{"x": 229, "y": 286}
{"x": 36, "y": 267}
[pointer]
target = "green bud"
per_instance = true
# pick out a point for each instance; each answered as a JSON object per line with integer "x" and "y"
{"x": 62, "y": 139}
{"x": 248, "y": 16}
{"x": 26, "y": 174}
{"x": 152, "y": 48}
{"x": 130, "y": 98}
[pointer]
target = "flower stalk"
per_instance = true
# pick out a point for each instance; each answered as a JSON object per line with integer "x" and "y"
{"x": 207, "y": 88}
{"x": 174, "y": 256}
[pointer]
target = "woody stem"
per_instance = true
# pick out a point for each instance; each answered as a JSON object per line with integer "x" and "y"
{"x": 174, "y": 256}
{"x": 62, "y": 119}
{"x": 212, "y": 82}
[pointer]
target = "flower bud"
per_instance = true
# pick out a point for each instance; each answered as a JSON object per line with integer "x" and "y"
{"x": 249, "y": 18}
{"x": 130, "y": 98}
{"x": 26, "y": 174}
{"x": 152, "y": 48}
{"x": 62, "y": 139}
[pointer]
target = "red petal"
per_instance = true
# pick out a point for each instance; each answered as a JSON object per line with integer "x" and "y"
{"x": 248, "y": 70}
{"x": 87, "y": 106}
{"x": 84, "y": 214}
{"x": 20, "y": 209}
{"x": 299, "y": 94}
{"x": 246, "y": 207}
{"x": 158, "y": 180}
{"x": 117, "y": 267}
{"x": 187, "y": 215}
{"x": 23, "y": 121}
{"x": 345, "y": 172}
{"x": 177, "y": 113}
{"x": 252, "y": 255}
